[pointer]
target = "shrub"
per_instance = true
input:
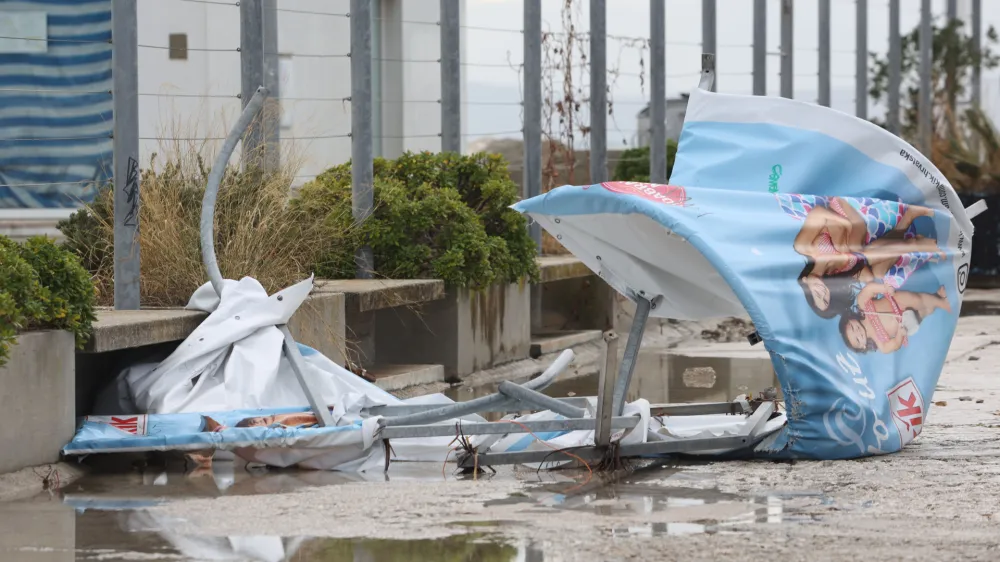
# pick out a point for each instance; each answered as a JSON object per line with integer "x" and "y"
{"x": 444, "y": 216}
{"x": 634, "y": 163}
{"x": 42, "y": 286}
{"x": 257, "y": 233}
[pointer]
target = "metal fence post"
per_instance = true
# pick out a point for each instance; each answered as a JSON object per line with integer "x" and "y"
{"x": 451, "y": 78}
{"x": 924, "y": 104}
{"x": 760, "y": 47}
{"x": 895, "y": 68}
{"x": 533, "y": 132}
{"x": 361, "y": 125}
{"x": 824, "y": 53}
{"x": 787, "y": 50}
{"x": 977, "y": 45}
{"x": 951, "y": 79}
{"x": 272, "y": 81}
{"x": 125, "y": 96}
{"x": 598, "y": 92}
{"x": 861, "y": 60}
{"x": 657, "y": 92}
{"x": 708, "y": 27}
{"x": 252, "y": 72}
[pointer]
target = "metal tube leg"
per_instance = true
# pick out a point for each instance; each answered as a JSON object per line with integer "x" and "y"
{"x": 540, "y": 400}
{"x": 642, "y": 307}
{"x": 298, "y": 366}
{"x": 606, "y": 390}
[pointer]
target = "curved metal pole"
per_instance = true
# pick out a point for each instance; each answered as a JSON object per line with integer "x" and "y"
{"x": 539, "y": 400}
{"x": 480, "y": 404}
{"x": 212, "y": 189}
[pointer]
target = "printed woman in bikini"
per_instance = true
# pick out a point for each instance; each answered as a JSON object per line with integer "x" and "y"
{"x": 843, "y": 241}
{"x": 885, "y": 323}
{"x": 830, "y": 294}
{"x": 294, "y": 419}
{"x": 848, "y": 226}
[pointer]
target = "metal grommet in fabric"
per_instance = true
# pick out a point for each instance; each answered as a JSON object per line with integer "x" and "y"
{"x": 281, "y": 298}
{"x": 598, "y": 258}
{"x": 237, "y": 317}
{"x": 558, "y": 236}
{"x": 558, "y": 220}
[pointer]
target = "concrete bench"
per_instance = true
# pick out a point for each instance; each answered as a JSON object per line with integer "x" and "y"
{"x": 576, "y": 305}
{"x": 123, "y": 336}
{"x": 379, "y": 302}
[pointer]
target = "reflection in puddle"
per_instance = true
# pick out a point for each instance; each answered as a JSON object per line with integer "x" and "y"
{"x": 107, "y": 517}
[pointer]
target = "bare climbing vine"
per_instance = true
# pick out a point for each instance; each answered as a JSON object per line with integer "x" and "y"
{"x": 566, "y": 93}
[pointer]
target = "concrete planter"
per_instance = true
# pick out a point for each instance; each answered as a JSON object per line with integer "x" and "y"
{"x": 467, "y": 331}
{"x": 37, "y": 405}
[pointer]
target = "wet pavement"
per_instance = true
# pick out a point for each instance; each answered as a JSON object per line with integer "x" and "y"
{"x": 114, "y": 516}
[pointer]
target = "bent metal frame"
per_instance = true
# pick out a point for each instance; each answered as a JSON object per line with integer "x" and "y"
{"x": 415, "y": 421}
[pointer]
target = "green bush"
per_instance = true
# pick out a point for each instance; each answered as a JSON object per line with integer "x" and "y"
{"x": 42, "y": 286}
{"x": 443, "y": 216}
{"x": 634, "y": 163}
{"x": 257, "y": 234}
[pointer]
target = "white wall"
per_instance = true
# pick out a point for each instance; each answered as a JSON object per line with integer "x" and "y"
{"x": 215, "y": 26}
{"x": 164, "y": 110}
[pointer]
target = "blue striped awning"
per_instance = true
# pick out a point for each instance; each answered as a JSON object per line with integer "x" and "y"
{"x": 55, "y": 107}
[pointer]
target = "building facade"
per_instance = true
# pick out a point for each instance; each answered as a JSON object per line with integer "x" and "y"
{"x": 55, "y": 83}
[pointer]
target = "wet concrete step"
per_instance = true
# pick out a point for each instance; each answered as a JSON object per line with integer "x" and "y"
{"x": 552, "y": 342}
{"x": 398, "y": 377}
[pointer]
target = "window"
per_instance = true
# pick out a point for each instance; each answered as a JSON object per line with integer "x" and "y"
{"x": 178, "y": 46}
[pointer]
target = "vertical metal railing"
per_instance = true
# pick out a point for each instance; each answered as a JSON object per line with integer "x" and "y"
{"x": 861, "y": 60}
{"x": 787, "y": 50}
{"x": 823, "y": 47}
{"x": 708, "y": 28}
{"x": 125, "y": 94}
{"x": 362, "y": 167}
{"x": 760, "y": 47}
{"x": 895, "y": 68}
{"x": 926, "y": 37}
{"x": 658, "y": 92}
{"x": 261, "y": 64}
{"x": 451, "y": 78}
{"x": 598, "y": 91}
{"x": 251, "y": 71}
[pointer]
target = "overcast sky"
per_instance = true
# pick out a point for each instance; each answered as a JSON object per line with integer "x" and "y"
{"x": 683, "y": 30}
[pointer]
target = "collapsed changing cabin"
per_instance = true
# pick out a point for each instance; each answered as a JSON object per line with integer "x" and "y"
{"x": 846, "y": 246}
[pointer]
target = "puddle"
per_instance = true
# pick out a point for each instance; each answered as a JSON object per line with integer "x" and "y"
{"x": 980, "y": 308}
{"x": 693, "y": 501}
{"x": 662, "y": 377}
{"x": 108, "y": 516}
